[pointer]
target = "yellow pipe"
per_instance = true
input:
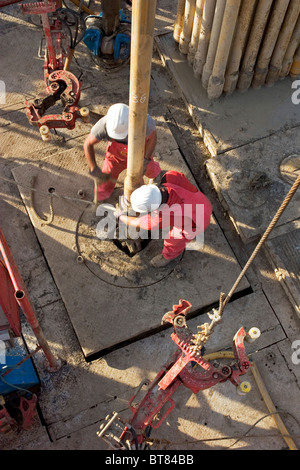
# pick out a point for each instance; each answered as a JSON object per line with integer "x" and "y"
{"x": 213, "y": 43}
{"x": 186, "y": 32}
{"x": 264, "y": 393}
{"x": 195, "y": 31}
{"x": 179, "y": 20}
{"x": 238, "y": 45}
{"x": 283, "y": 42}
{"x": 69, "y": 59}
{"x": 253, "y": 44}
{"x": 219, "y": 355}
{"x": 142, "y": 32}
{"x": 205, "y": 30}
{"x": 217, "y": 78}
{"x": 291, "y": 50}
{"x": 272, "y": 408}
{"x": 269, "y": 42}
{"x": 295, "y": 69}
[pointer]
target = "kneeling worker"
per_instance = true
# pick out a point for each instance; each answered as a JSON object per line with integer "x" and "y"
{"x": 174, "y": 202}
{"x": 114, "y": 128}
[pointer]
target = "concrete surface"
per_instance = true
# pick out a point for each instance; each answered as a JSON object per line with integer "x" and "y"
{"x": 235, "y": 120}
{"x": 253, "y": 193}
{"x": 111, "y": 280}
{"x": 73, "y": 402}
{"x": 283, "y": 250}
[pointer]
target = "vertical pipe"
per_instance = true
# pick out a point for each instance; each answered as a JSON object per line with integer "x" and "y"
{"x": 204, "y": 37}
{"x": 217, "y": 79}
{"x": 51, "y": 55}
{"x": 269, "y": 42}
{"x": 195, "y": 31}
{"x": 179, "y": 20}
{"x": 110, "y": 15}
{"x": 256, "y": 34}
{"x": 295, "y": 69}
{"x": 4, "y": 3}
{"x": 283, "y": 42}
{"x": 186, "y": 33}
{"x": 238, "y": 45}
{"x": 213, "y": 43}
{"x": 291, "y": 50}
{"x": 22, "y": 298}
{"x": 142, "y": 32}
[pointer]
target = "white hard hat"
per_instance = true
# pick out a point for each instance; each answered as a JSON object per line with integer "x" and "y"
{"x": 146, "y": 198}
{"x": 117, "y": 121}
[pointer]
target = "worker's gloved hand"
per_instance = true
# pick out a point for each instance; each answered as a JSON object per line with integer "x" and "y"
{"x": 99, "y": 176}
{"x": 118, "y": 212}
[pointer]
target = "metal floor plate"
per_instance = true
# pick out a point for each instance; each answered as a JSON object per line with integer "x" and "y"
{"x": 105, "y": 308}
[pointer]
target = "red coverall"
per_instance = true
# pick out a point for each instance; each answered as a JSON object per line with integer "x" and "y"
{"x": 181, "y": 194}
{"x": 115, "y": 162}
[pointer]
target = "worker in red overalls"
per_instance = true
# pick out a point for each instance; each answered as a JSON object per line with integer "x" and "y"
{"x": 175, "y": 203}
{"x": 114, "y": 128}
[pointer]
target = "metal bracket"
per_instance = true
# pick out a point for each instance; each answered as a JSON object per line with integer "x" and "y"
{"x": 64, "y": 86}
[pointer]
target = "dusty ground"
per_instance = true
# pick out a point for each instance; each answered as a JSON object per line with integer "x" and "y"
{"x": 74, "y": 402}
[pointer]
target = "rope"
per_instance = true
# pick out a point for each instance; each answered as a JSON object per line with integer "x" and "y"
{"x": 223, "y": 302}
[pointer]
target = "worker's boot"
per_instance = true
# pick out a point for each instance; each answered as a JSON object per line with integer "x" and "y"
{"x": 159, "y": 261}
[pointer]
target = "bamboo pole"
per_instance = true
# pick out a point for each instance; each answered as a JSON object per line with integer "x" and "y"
{"x": 291, "y": 50}
{"x": 255, "y": 38}
{"x": 213, "y": 43}
{"x": 195, "y": 31}
{"x": 269, "y": 42}
{"x": 283, "y": 42}
{"x": 205, "y": 29}
{"x": 295, "y": 69}
{"x": 186, "y": 33}
{"x": 142, "y": 32}
{"x": 217, "y": 79}
{"x": 238, "y": 45}
{"x": 179, "y": 20}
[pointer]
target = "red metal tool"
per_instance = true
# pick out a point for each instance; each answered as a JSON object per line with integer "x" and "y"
{"x": 61, "y": 85}
{"x": 52, "y": 31}
{"x": 186, "y": 367}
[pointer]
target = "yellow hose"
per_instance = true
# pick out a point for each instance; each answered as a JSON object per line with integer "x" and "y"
{"x": 264, "y": 393}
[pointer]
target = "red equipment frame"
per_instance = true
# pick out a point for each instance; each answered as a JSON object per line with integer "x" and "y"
{"x": 185, "y": 367}
{"x": 60, "y": 83}
{"x": 13, "y": 294}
